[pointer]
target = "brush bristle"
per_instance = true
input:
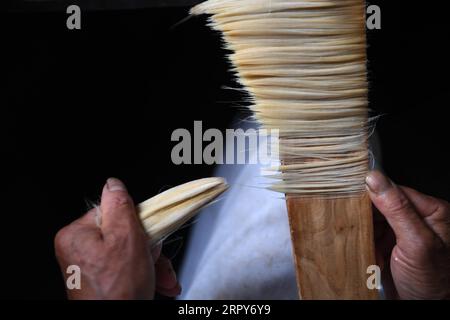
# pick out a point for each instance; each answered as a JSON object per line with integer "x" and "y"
{"x": 304, "y": 66}
{"x": 171, "y": 209}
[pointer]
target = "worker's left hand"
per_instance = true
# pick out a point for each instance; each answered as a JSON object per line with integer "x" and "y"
{"x": 114, "y": 258}
{"x": 413, "y": 240}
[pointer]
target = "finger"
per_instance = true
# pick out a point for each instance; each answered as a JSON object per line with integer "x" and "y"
{"x": 117, "y": 208}
{"x": 174, "y": 292}
{"x": 425, "y": 205}
{"x": 156, "y": 251}
{"x": 436, "y": 212}
{"x": 166, "y": 279}
{"x": 89, "y": 219}
{"x": 396, "y": 207}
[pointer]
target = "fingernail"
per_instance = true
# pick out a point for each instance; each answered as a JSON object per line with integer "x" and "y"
{"x": 114, "y": 184}
{"x": 377, "y": 182}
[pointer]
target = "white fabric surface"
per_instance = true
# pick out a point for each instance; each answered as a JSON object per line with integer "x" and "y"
{"x": 240, "y": 247}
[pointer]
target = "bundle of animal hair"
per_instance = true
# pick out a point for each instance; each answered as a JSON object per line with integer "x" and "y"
{"x": 303, "y": 63}
{"x": 171, "y": 209}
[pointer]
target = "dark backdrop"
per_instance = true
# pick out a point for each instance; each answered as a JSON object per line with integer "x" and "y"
{"x": 80, "y": 106}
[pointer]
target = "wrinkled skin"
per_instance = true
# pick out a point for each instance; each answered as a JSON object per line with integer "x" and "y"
{"x": 114, "y": 259}
{"x": 412, "y": 233}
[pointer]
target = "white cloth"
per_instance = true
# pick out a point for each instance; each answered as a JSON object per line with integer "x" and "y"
{"x": 240, "y": 247}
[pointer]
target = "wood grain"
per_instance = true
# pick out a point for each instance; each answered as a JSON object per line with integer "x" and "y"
{"x": 333, "y": 246}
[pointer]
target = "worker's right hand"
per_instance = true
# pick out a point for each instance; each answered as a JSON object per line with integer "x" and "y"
{"x": 113, "y": 256}
{"x": 416, "y": 246}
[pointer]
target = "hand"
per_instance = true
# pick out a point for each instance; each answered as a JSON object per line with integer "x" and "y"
{"x": 416, "y": 246}
{"x": 114, "y": 259}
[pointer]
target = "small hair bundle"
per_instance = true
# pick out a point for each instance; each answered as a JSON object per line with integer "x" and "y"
{"x": 304, "y": 66}
{"x": 171, "y": 209}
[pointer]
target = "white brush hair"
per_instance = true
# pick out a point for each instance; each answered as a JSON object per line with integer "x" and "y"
{"x": 304, "y": 65}
{"x": 170, "y": 210}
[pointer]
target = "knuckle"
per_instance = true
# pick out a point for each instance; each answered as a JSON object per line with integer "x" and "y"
{"x": 115, "y": 240}
{"x": 120, "y": 200}
{"x": 398, "y": 203}
{"x": 62, "y": 238}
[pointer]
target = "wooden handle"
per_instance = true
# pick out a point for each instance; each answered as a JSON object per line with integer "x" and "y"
{"x": 333, "y": 246}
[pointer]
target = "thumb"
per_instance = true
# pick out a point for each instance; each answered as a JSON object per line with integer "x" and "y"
{"x": 116, "y": 206}
{"x": 396, "y": 207}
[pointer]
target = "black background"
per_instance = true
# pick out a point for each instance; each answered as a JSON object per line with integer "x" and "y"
{"x": 79, "y": 106}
